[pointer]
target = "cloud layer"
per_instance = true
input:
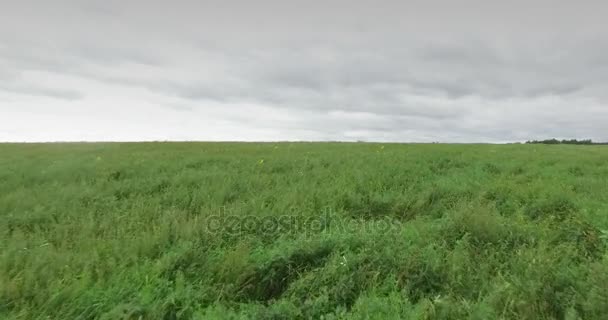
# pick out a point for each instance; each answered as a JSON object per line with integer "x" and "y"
{"x": 467, "y": 71}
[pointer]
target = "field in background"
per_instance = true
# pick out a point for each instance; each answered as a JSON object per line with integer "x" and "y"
{"x": 301, "y": 230}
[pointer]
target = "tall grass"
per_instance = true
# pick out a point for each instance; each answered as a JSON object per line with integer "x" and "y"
{"x": 303, "y": 230}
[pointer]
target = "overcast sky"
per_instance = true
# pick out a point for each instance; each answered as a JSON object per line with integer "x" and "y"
{"x": 451, "y": 71}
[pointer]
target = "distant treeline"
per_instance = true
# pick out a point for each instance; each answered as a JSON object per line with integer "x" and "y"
{"x": 571, "y": 141}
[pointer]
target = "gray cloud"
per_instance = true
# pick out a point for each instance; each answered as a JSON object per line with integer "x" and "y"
{"x": 63, "y": 94}
{"x": 388, "y": 70}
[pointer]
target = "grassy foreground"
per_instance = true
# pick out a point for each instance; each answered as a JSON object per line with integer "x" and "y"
{"x": 303, "y": 230}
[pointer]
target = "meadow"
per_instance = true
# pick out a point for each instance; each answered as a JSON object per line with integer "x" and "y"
{"x": 303, "y": 231}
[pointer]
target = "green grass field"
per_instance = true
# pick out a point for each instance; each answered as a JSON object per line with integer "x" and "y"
{"x": 303, "y": 230}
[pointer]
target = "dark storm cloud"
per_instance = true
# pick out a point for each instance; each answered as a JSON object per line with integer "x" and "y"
{"x": 387, "y": 70}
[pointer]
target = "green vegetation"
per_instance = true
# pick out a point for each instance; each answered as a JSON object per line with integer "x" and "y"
{"x": 564, "y": 141}
{"x": 303, "y": 230}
